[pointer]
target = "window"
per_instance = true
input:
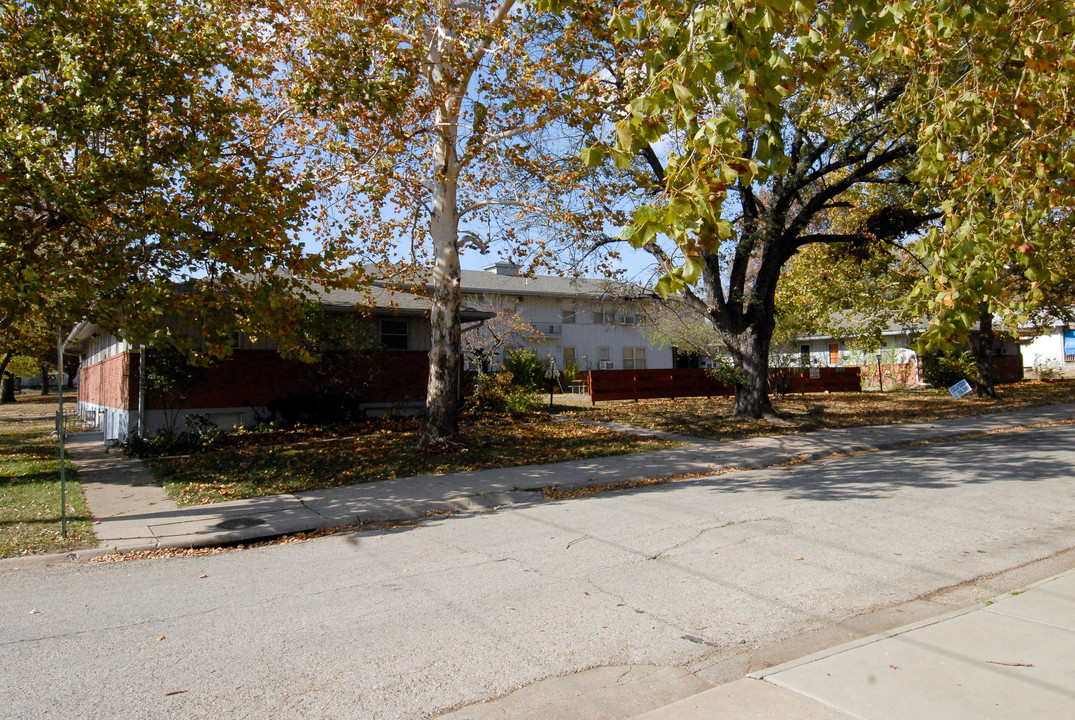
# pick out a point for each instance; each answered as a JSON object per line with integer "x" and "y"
{"x": 567, "y": 317}
{"x": 395, "y": 334}
{"x": 569, "y": 357}
{"x": 603, "y": 318}
{"x": 634, "y": 358}
{"x": 834, "y": 354}
{"x": 804, "y": 355}
{"x": 604, "y": 359}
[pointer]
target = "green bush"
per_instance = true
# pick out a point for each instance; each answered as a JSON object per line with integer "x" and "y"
{"x": 496, "y": 393}
{"x": 523, "y": 402}
{"x": 724, "y": 371}
{"x": 946, "y": 369}
{"x": 526, "y": 368}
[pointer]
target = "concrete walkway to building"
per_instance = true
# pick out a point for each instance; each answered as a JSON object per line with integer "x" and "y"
{"x": 133, "y": 513}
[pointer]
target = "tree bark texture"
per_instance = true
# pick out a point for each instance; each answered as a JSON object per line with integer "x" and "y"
{"x": 442, "y": 394}
{"x": 44, "y": 380}
{"x": 983, "y": 354}
{"x": 7, "y": 392}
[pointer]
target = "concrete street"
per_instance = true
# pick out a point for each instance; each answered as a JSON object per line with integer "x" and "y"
{"x": 678, "y": 586}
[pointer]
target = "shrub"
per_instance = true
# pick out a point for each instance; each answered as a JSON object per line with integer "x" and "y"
{"x": 526, "y": 368}
{"x": 724, "y": 371}
{"x": 1046, "y": 368}
{"x": 496, "y": 393}
{"x": 522, "y": 402}
{"x": 946, "y": 369}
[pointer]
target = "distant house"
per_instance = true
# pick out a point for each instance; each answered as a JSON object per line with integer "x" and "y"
{"x": 827, "y": 351}
{"x": 899, "y": 361}
{"x": 256, "y": 383}
{"x": 1052, "y": 349}
{"x": 584, "y": 323}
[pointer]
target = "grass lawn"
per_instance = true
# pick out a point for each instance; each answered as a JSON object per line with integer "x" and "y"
{"x": 288, "y": 462}
{"x": 711, "y": 417}
{"x": 30, "y": 485}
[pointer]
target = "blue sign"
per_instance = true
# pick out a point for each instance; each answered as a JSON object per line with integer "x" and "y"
{"x": 1069, "y": 342}
{"x": 960, "y": 389}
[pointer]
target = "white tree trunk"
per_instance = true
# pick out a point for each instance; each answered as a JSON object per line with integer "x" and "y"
{"x": 442, "y": 393}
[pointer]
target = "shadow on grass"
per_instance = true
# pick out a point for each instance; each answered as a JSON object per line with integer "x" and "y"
{"x": 54, "y": 520}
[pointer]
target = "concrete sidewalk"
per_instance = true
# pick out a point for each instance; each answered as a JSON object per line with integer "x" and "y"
{"x": 1008, "y": 658}
{"x": 134, "y": 513}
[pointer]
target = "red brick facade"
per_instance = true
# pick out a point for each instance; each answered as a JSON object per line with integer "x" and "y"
{"x": 258, "y": 378}
{"x": 110, "y": 383}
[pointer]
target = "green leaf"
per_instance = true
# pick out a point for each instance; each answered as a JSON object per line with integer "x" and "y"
{"x": 593, "y": 156}
{"x": 692, "y": 270}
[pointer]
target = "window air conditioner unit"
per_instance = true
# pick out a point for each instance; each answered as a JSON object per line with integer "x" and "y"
{"x": 604, "y": 364}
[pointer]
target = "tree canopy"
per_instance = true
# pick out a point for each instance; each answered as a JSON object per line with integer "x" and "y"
{"x": 756, "y": 122}
{"x": 139, "y": 175}
{"x": 429, "y": 121}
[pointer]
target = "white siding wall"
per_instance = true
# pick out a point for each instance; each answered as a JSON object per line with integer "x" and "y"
{"x": 103, "y": 347}
{"x": 584, "y": 335}
{"x": 1045, "y": 349}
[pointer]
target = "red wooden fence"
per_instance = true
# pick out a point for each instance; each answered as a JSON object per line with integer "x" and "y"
{"x": 829, "y": 379}
{"x": 639, "y": 384}
{"x": 695, "y": 382}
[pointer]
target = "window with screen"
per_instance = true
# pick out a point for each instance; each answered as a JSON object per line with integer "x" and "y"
{"x": 395, "y": 334}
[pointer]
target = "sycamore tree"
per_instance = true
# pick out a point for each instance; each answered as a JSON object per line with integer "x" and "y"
{"x": 140, "y": 183}
{"x": 428, "y": 123}
{"x": 752, "y": 121}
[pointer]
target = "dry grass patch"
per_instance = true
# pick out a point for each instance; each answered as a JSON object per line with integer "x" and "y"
{"x": 270, "y": 465}
{"x": 710, "y": 418}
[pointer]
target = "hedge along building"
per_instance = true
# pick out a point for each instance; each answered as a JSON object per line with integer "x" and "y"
{"x": 584, "y": 323}
{"x": 382, "y": 366}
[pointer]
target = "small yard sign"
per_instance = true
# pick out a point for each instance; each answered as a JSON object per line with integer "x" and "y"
{"x": 960, "y": 389}
{"x": 815, "y": 373}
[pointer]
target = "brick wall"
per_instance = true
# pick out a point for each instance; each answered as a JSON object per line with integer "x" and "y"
{"x": 106, "y": 383}
{"x": 257, "y": 378}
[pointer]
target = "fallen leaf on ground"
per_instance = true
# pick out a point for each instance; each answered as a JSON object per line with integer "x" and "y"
{"x": 998, "y": 662}
{"x": 160, "y": 638}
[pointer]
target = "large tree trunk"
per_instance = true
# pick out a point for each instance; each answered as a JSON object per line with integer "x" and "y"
{"x": 442, "y": 393}
{"x": 7, "y": 392}
{"x": 983, "y": 354}
{"x": 750, "y": 351}
{"x": 45, "y": 380}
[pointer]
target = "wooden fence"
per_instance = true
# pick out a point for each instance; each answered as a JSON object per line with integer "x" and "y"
{"x": 696, "y": 382}
{"x": 640, "y": 384}
{"x": 819, "y": 380}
